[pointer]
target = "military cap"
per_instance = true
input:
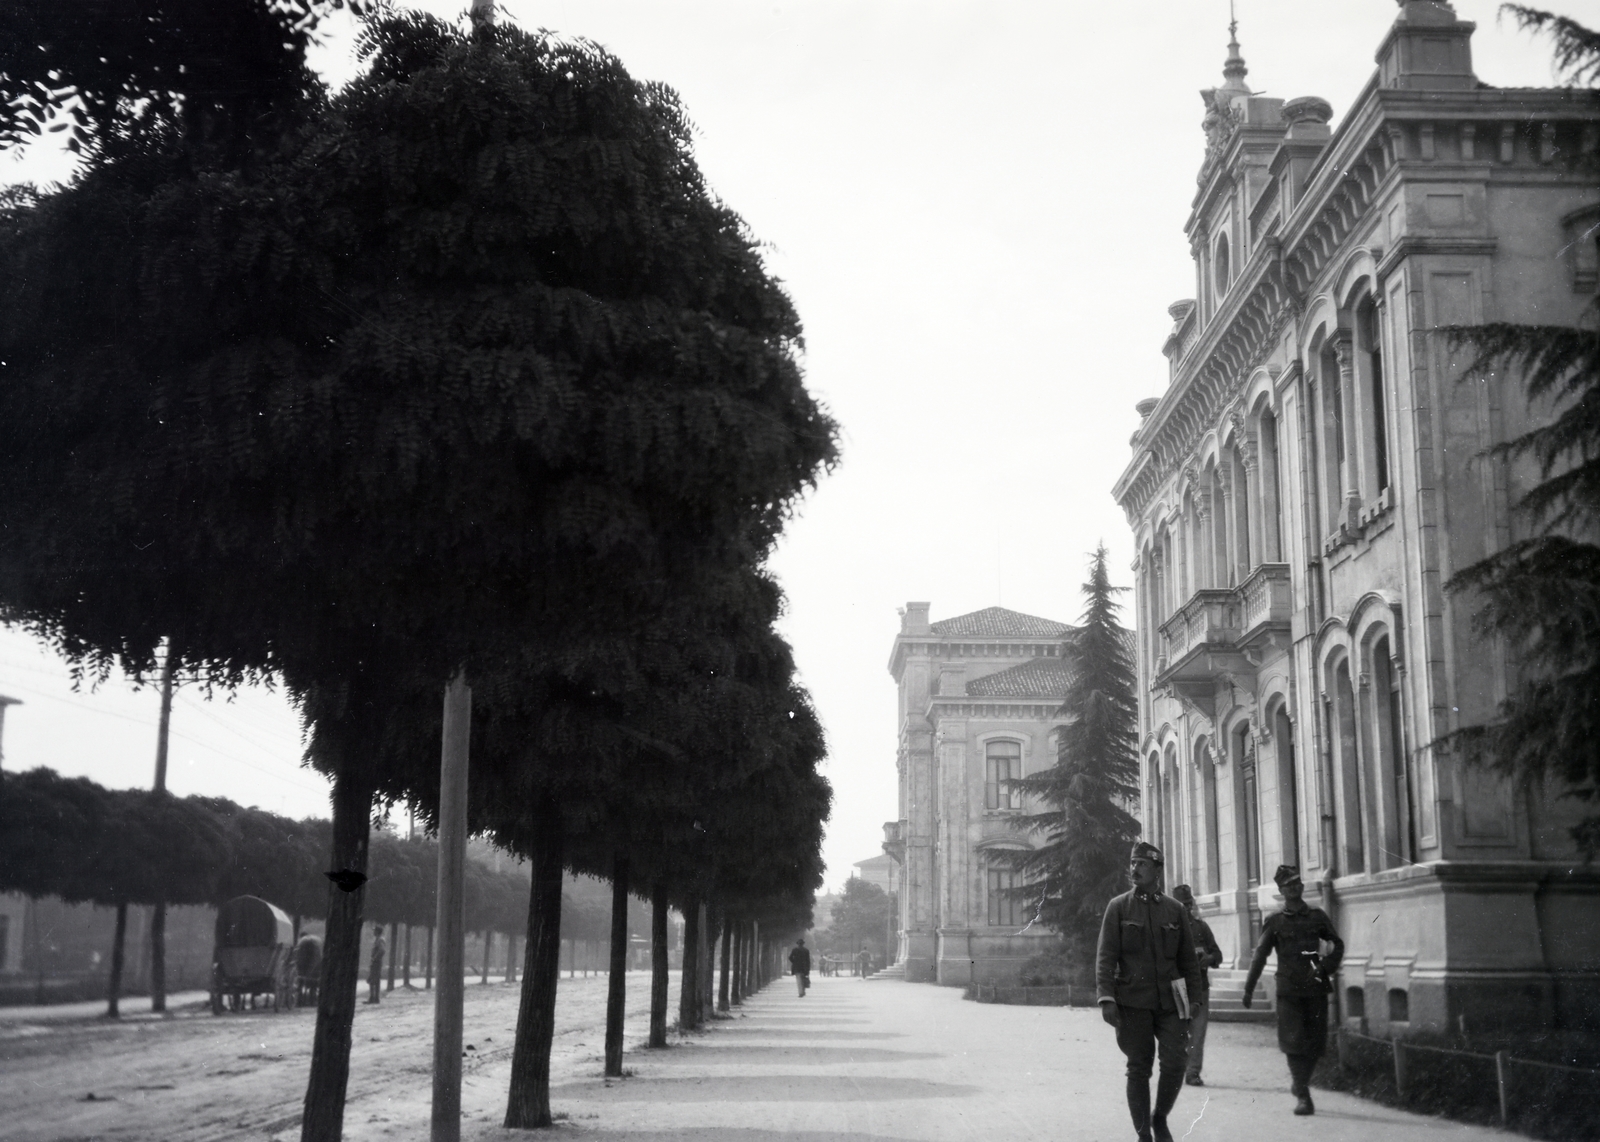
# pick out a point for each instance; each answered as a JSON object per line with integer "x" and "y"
{"x": 1147, "y": 851}
{"x": 1183, "y": 894}
{"x": 1286, "y": 873}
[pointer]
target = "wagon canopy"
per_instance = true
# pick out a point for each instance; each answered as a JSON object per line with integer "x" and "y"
{"x": 250, "y": 922}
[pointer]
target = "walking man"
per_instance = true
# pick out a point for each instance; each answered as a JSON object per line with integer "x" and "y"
{"x": 800, "y": 965}
{"x": 1305, "y": 978}
{"x": 375, "y": 965}
{"x": 1145, "y": 974}
{"x": 1210, "y": 956}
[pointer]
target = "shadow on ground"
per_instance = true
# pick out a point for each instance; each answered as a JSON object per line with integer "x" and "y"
{"x": 760, "y": 1088}
{"x": 734, "y": 1054}
{"x": 763, "y": 1032}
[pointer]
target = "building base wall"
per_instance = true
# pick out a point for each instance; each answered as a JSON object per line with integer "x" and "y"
{"x": 975, "y": 955}
{"x": 1459, "y": 947}
{"x": 920, "y": 956}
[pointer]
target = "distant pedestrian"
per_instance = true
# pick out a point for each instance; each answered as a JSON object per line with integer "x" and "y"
{"x": 1145, "y": 974}
{"x": 800, "y": 965}
{"x": 1305, "y": 979}
{"x": 1210, "y": 956}
{"x": 375, "y": 965}
{"x": 864, "y": 963}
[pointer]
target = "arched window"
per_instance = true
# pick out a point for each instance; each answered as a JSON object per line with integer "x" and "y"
{"x": 1249, "y": 804}
{"x": 1397, "y": 822}
{"x": 1271, "y": 491}
{"x": 1002, "y": 765}
{"x": 1208, "y": 811}
{"x": 1221, "y": 267}
{"x": 1172, "y": 818}
{"x": 1333, "y": 451}
{"x": 1347, "y": 767}
{"x": 1369, "y": 346}
{"x": 1288, "y": 785}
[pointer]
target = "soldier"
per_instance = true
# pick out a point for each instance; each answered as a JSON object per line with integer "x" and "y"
{"x": 375, "y": 964}
{"x": 1210, "y": 956}
{"x": 1146, "y": 948}
{"x": 1304, "y": 979}
{"x": 800, "y": 965}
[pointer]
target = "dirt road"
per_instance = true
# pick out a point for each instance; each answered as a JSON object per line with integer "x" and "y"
{"x": 195, "y": 1077}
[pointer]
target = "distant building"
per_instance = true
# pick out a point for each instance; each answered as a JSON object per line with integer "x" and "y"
{"x": 979, "y": 702}
{"x": 1310, "y": 479}
{"x": 877, "y": 870}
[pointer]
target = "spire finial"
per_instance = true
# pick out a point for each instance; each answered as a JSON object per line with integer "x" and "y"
{"x": 1234, "y": 70}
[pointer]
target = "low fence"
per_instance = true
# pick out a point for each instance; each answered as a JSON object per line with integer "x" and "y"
{"x": 1063, "y": 996}
{"x": 1550, "y": 1100}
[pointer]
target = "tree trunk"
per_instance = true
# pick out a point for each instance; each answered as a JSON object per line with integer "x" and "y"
{"x": 341, "y": 965}
{"x": 689, "y": 981}
{"x": 617, "y": 992}
{"x": 706, "y": 994}
{"x": 511, "y": 957}
{"x": 118, "y": 941}
{"x": 737, "y": 932}
{"x": 488, "y": 953}
{"x": 723, "y": 1001}
{"x": 405, "y": 980}
{"x": 158, "y": 956}
{"x": 658, "y": 966}
{"x": 394, "y": 951}
{"x": 427, "y": 962}
{"x": 528, "y": 1102}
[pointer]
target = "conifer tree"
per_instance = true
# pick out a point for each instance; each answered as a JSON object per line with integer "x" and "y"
{"x": 1086, "y": 829}
{"x": 1540, "y": 595}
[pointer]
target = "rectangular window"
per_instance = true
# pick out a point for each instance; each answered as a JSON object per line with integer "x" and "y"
{"x": 1002, "y": 765}
{"x": 1005, "y": 910}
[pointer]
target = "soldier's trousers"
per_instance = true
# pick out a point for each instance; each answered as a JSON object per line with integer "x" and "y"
{"x": 1201, "y": 1010}
{"x": 1141, "y": 1033}
{"x": 1303, "y": 1025}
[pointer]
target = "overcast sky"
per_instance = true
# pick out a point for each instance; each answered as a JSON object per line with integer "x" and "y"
{"x": 979, "y": 209}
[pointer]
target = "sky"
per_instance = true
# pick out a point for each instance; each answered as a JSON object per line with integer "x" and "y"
{"x": 978, "y": 209}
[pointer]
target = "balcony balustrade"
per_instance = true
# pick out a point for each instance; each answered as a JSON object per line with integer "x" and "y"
{"x": 1224, "y": 632}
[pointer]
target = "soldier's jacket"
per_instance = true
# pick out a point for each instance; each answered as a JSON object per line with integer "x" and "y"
{"x": 1205, "y": 950}
{"x": 1145, "y": 944}
{"x": 1296, "y": 935}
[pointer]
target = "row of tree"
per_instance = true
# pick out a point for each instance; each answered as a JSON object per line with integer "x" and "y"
{"x": 457, "y": 375}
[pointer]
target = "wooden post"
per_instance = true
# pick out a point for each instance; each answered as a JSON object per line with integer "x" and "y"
{"x": 158, "y": 914}
{"x": 447, "y": 1016}
{"x": 1399, "y": 1068}
{"x": 1502, "y": 1078}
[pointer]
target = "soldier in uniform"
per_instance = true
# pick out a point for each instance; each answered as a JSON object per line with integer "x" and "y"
{"x": 1146, "y": 946}
{"x": 1210, "y": 956}
{"x": 380, "y": 946}
{"x": 1304, "y": 979}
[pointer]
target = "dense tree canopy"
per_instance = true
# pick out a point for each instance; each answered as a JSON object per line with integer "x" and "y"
{"x": 1540, "y": 595}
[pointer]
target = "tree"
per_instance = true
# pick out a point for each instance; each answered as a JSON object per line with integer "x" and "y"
{"x": 1540, "y": 596}
{"x": 471, "y": 359}
{"x": 1086, "y": 830}
{"x": 860, "y": 916}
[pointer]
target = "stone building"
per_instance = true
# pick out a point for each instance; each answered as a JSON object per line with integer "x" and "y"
{"x": 979, "y": 696}
{"x": 1310, "y": 479}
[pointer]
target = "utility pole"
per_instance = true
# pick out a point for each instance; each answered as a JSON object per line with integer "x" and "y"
{"x": 158, "y": 914}
{"x": 451, "y": 918}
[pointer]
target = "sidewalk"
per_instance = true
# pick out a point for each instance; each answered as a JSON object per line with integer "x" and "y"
{"x": 897, "y": 1062}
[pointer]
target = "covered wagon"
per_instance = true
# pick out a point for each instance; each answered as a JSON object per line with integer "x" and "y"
{"x": 254, "y": 956}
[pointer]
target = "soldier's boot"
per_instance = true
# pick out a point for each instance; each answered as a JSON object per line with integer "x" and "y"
{"x": 1139, "y": 1106}
{"x": 1167, "y": 1088}
{"x": 1300, "y": 1067}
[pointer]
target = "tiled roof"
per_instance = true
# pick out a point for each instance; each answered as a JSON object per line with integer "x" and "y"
{"x": 997, "y": 622}
{"x": 1041, "y": 678}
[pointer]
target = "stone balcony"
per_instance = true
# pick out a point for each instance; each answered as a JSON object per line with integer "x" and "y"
{"x": 1224, "y": 632}
{"x": 894, "y": 840}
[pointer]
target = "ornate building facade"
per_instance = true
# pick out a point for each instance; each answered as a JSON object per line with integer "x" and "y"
{"x": 1302, "y": 491}
{"x": 979, "y": 698}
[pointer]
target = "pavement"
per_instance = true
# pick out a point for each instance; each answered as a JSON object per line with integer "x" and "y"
{"x": 858, "y": 1061}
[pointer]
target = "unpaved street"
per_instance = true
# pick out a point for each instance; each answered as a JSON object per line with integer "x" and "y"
{"x": 196, "y": 1077}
